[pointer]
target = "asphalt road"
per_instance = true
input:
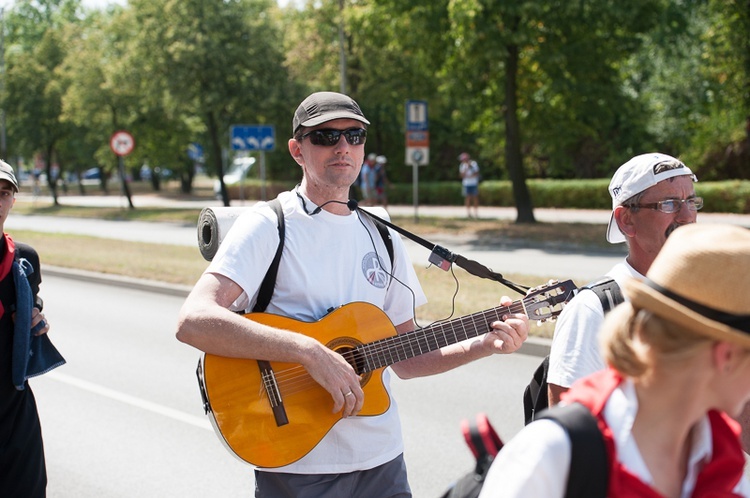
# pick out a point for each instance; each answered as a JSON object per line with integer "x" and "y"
{"x": 123, "y": 418}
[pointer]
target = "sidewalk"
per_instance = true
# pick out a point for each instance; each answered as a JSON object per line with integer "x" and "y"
{"x": 547, "y": 215}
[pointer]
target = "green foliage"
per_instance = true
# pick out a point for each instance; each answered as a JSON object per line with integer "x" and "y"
{"x": 719, "y": 197}
{"x": 596, "y": 82}
{"x": 725, "y": 197}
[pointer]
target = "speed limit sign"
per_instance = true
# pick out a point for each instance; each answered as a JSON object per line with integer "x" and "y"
{"x": 121, "y": 143}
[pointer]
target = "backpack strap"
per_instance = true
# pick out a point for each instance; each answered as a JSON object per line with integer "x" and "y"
{"x": 607, "y": 291}
{"x": 588, "y": 476}
{"x": 269, "y": 281}
{"x": 535, "y": 394}
{"x": 386, "y": 236}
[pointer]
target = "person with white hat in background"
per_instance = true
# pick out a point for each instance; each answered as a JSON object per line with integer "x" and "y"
{"x": 381, "y": 181}
{"x": 678, "y": 352}
{"x": 367, "y": 179}
{"x": 468, "y": 170}
{"x": 652, "y": 194}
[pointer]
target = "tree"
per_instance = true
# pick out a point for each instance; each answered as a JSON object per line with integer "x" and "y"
{"x": 219, "y": 61}
{"x": 33, "y": 94}
{"x": 488, "y": 41}
{"x": 103, "y": 93}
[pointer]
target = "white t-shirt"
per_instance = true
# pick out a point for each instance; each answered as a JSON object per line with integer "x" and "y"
{"x": 328, "y": 261}
{"x": 469, "y": 171}
{"x": 575, "y": 347}
{"x": 536, "y": 462}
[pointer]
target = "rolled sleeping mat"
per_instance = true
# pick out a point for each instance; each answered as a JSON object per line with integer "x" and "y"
{"x": 213, "y": 225}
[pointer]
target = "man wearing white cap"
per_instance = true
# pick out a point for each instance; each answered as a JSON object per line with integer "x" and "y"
{"x": 652, "y": 194}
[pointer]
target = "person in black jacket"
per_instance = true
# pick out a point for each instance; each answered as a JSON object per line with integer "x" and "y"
{"x": 22, "y": 466}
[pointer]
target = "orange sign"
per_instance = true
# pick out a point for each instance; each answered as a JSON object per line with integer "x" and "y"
{"x": 417, "y": 138}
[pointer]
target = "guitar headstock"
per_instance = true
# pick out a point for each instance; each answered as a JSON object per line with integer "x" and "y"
{"x": 546, "y": 301}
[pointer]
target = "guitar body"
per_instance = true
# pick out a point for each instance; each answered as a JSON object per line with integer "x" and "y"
{"x": 240, "y": 406}
{"x": 271, "y": 414}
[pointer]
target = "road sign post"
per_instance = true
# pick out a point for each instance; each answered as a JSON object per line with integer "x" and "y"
{"x": 417, "y": 143}
{"x": 122, "y": 143}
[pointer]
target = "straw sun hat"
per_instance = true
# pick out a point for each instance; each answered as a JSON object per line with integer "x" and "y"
{"x": 701, "y": 280}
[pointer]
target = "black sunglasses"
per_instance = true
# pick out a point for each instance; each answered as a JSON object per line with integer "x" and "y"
{"x": 329, "y": 137}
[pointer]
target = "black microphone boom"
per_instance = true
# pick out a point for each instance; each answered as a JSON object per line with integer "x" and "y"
{"x": 440, "y": 255}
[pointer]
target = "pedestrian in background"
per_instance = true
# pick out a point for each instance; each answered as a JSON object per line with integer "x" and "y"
{"x": 367, "y": 179}
{"x": 678, "y": 352}
{"x": 381, "y": 182}
{"x": 469, "y": 172}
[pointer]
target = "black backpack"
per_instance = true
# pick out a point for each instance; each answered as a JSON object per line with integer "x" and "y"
{"x": 535, "y": 395}
{"x": 269, "y": 281}
{"x": 588, "y": 475}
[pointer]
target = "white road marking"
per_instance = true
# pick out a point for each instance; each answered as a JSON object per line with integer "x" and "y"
{"x": 131, "y": 400}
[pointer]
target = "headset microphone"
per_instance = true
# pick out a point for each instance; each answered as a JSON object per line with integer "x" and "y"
{"x": 352, "y": 205}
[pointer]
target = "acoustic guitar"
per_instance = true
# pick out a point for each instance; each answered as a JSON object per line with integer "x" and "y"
{"x": 271, "y": 414}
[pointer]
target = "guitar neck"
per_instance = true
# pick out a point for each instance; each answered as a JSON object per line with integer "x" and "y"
{"x": 384, "y": 352}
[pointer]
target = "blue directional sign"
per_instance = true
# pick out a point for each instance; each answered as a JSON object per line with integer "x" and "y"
{"x": 253, "y": 137}
{"x": 416, "y": 115}
{"x": 195, "y": 152}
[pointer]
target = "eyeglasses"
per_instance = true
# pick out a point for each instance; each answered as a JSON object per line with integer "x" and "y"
{"x": 671, "y": 206}
{"x": 330, "y": 137}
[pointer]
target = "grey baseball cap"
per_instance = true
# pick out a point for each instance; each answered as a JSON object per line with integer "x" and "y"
{"x": 326, "y": 106}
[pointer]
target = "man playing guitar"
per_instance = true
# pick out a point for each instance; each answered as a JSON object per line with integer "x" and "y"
{"x": 332, "y": 256}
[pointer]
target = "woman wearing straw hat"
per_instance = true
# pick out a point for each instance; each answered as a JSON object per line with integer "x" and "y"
{"x": 679, "y": 358}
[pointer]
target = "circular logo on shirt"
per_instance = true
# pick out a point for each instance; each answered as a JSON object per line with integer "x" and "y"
{"x": 373, "y": 270}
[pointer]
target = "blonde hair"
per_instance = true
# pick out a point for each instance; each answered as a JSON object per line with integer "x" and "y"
{"x": 634, "y": 340}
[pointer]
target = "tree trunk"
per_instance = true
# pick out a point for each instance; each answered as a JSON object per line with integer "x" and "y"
{"x": 513, "y": 157}
{"x": 51, "y": 180}
{"x": 213, "y": 133}
{"x": 124, "y": 183}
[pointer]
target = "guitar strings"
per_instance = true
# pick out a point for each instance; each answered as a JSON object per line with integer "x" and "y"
{"x": 296, "y": 379}
{"x": 387, "y": 344}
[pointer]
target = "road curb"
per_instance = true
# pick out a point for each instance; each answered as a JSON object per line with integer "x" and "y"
{"x": 119, "y": 280}
{"x": 536, "y": 346}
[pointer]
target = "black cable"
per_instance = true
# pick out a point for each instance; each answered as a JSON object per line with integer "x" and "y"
{"x": 476, "y": 269}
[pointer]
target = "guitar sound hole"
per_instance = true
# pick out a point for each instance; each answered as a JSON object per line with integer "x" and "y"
{"x": 356, "y": 360}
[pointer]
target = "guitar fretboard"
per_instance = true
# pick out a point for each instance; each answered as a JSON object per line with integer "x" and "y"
{"x": 378, "y": 354}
